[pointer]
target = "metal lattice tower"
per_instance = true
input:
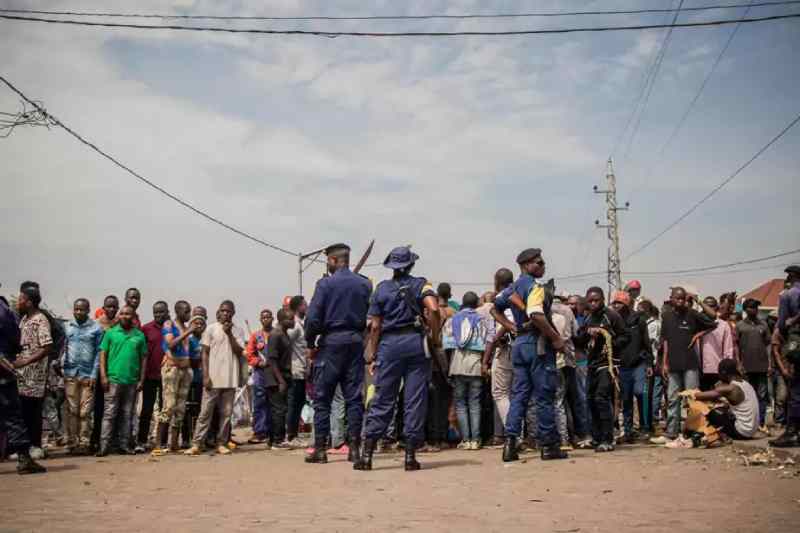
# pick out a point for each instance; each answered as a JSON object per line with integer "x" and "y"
{"x": 612, "y": 227}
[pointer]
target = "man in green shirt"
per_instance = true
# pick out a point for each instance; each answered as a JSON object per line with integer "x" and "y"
{"x": 122, "y": 372}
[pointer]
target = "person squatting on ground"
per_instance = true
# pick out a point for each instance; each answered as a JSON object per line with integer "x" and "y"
{"x": 402, "y": 309}
{"x": 737, "y": 415}
{"x": 335, "y": 324}
{"x": 533, "y": 356}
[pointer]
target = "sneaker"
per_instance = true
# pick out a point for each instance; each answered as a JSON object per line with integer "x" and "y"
{"x": 232, "y": 444}
{"x": 37, "y": 454}
{"x": 344, "y": 449}
{"x": 585, "y": 444}
{"x": 662, "y": 440}
{"x": 604, "y": 447}
{"x": 140, "y": 448}
{"x": 194, "y": 450}
{"x": 464, "y": 445}
{"x": 297, "y": 442}
{"x": 566, "y": 447}
{"x": 224, "y": 450}
{"x": 26, "y": 465}
{"x": 256, "y": 439}
{"x": 680, "y": 443}
{"x": 497, "y": 442}
{"x": 159, "y": 452}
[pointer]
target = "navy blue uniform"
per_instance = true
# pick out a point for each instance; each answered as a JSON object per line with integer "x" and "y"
{"x": 400, "y": 357}
{"x": 338, "y": 315}
{"x": 534, "y": 362}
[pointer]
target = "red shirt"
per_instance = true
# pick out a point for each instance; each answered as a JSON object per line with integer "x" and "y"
{"x": 155, "y": 351}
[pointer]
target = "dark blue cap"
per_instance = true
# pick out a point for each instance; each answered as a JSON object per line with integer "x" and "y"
{"x": 400, "y": 257}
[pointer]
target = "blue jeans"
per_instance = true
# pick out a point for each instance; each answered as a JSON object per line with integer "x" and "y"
{"x": 632, "y": 381}
{"x": 338, "y": 415}
{"x": 262, "y": 414}
{"x": 657, "y": 398}
{"x": 534, "y": 375}
{"x": 467, "y": 395}
{"x": 759, "y": 382}
{"x": 678, "y": 382}
{"x": 576, "y": 397}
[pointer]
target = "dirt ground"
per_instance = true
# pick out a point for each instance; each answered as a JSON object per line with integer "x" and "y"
{"x": 637, "y": 488}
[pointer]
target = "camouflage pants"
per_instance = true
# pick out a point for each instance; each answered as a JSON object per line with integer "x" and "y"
{"x": 80, "y": 404}
{"x": 175, "y": 383}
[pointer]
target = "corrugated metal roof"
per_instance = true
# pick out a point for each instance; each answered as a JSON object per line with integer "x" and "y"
{"x": 767, "y": 293}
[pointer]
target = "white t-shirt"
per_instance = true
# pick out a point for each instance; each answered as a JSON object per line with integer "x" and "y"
{"x": 746, "y": 412}
{"x": 224, "y": 367}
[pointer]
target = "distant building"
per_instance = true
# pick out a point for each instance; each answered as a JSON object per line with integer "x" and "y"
{"x": 767, "y": 293}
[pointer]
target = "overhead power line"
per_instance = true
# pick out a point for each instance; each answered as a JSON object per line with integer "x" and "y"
{"x": 324, "y": 33}
{"x": 56, "y": 122}
{"x": 391, "y": 17}
{"x": 703, "y": 85}
{"x": 695, "y": 270}
{"x": 716, "y": 189}
{"x": 653, "y": 77}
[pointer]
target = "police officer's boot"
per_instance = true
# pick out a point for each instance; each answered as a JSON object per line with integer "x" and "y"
{"x": 411, "y": 464}
{"x": 364, "y": 462}
{"x": 319, "y": 455}
{"x": 510, "y": 452}
{"x": 354, "y": 449}
{"x": 553, "y": 451}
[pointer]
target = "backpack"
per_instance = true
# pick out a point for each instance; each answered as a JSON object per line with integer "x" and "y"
{"x": 58, "y": 334}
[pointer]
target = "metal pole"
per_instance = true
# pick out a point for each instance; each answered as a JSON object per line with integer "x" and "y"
{"x": 299, "y": 273}
{"x": 614, "y": 269}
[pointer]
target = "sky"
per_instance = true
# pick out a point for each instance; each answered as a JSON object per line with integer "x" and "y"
{"x": 469, "y": 148}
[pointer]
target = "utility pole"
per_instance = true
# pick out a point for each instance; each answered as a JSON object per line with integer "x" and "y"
{"x": 311, "y": 257}
{"x": 612, "y": 227}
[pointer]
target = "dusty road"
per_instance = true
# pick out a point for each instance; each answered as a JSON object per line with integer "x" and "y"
{"x": 642, "y": 489}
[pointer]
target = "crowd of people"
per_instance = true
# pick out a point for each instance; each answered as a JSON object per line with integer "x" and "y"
{"x": 401, "y": 365}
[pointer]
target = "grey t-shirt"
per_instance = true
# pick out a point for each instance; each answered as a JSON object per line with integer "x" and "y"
{"x": 297, "y": 336}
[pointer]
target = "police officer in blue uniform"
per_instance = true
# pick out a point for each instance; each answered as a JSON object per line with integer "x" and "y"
{"x": 533, "y": 356}
{"x": 401, "y": 309}
{"x": 335, "y": 324}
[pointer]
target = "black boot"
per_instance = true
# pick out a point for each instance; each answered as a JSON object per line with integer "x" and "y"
{"x": 364, "y": 462}
{"x": 354, "y": 447}
{"x": 789, "y": 439}
{"x": 102, "y": 450}
{"x": 510, "y": 452}
{"x": 318, "y": 456}
{"x": 411, "y": 464}
{"x": 553, "y": 451}
{"x": 26, "y": 465}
